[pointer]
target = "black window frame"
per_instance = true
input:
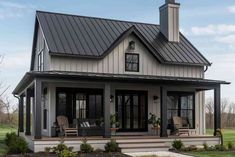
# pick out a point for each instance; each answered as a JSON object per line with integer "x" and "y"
{"x": 138, "y": 62}
{"x": 41, "y": 58}
{"x": 181, "y": 94}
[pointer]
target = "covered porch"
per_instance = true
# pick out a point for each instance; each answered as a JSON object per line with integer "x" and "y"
{"x": 40, "y": 93}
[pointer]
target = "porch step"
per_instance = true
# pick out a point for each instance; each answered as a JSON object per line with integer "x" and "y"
{"x": 149, "y": 149}
{"x": 141, "y": 145}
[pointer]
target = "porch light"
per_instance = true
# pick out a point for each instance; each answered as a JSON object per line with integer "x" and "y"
{"x": 155, "y": 98}
{"x": 111, "y": 98}
{"x": 132, "y": 45}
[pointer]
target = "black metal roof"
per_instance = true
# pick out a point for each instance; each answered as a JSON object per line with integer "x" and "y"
{"x": 81, "y": 36}
{"x": 105, "y": 77}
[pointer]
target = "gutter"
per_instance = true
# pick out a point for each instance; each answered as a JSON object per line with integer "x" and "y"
{"x": 17, "y": 97}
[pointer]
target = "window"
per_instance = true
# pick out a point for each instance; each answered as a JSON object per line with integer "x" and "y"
{"x": 41, "y": 58}
{"x": 132, "y": 62}
{"x": 81, "y": 106}
{"x": 182, "y": 105}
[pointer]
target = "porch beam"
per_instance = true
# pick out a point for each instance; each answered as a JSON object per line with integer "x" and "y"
{"x": 28, "y": 113}
{"x": 164, "y": 122}
{"x": 217, "y": 109}
{"x": 21, "y": 114}
{"x": 107, "y": 132}
{"x": 38, "y": 109}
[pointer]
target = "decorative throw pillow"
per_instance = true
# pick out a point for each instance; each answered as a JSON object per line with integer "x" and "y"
{"x": 87, "y": 124}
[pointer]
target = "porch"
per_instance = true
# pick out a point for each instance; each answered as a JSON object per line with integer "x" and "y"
{"x": 39, "y": 91}
{"x": 127, "y": 144}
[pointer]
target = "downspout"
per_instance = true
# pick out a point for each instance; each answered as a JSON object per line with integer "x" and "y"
{"x": 17, "y": 97}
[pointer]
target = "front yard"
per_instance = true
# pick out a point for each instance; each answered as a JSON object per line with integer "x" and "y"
{"x": 212, "y": 154}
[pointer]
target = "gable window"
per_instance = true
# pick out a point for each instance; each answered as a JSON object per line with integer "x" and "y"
{"x": 132, "y": 62}
{"x": 41, "y": 58}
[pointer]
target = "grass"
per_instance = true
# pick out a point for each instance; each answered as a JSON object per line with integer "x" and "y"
{"x": 229, "y": 135}
{"x": 3, "y": 130}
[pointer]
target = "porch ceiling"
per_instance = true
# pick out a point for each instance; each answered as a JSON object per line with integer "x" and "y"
{"x": 198, "y": 83}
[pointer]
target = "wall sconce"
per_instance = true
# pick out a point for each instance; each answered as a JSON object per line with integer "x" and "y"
{"x": 111, "y": 98}
{"x": 155, "y": 98}
{"x": 132, "y": 45}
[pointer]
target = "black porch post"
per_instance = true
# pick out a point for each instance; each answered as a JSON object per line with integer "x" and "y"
{"x": 38, "y": 109}
{"x": 28, "y": 96}
{"x": 21, "y": 114}
{"x": 217, "y": 109}
{"x": 107, "y": 133}
{"x": 163, "y": 112}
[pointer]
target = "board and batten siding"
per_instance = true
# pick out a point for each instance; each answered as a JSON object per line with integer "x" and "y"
{"x": 41, "y": 44}
{"x": 114, "y": 63}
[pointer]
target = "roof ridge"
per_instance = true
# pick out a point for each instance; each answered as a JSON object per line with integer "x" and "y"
{"x": 83, "y": 16}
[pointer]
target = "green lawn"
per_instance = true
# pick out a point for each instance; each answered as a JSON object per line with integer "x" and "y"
{"x": 3, "y": 130}
{"x": 229, "y": 135}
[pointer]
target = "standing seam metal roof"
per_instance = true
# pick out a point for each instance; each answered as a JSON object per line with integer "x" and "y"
{"x": 92, "y": 37}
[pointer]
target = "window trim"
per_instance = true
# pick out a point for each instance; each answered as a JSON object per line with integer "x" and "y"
{"x": 138, "y": 64}
{"x": 41, "y": 58}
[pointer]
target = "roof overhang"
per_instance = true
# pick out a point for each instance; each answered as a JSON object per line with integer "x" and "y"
{"x": 198, "y": 83}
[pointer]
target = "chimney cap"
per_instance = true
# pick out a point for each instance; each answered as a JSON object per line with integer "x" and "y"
{"x": 170, "y": 1}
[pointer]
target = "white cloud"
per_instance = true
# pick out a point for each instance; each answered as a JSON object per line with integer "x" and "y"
{"x": 231, "y": 9}
{"x": 221, "y": 29}
{"x": 229, "y": 39}
{"x": 10, "y": 9}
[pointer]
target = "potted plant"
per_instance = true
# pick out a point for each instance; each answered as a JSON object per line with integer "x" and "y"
{"x": 154, "y": 121}
{"x": 113, "y": 123}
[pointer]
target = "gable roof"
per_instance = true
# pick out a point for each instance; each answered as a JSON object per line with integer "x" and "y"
{"x": 80, "y": 36}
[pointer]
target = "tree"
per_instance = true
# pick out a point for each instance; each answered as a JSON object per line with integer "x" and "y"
{"x": 209, "y": 112}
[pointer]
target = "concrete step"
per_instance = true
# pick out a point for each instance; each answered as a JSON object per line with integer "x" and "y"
{"x": 139, "y": 140}
{"x": 149, "y": 149}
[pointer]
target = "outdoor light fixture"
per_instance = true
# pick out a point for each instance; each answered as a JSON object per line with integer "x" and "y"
{"x": 111, "y": 98}
{"x": 155, "y": 98}
{"x": 132, "y": 45}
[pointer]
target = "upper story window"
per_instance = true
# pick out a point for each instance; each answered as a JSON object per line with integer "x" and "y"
{"x": 132, "y": 62}
{"x": 41, "y": 58}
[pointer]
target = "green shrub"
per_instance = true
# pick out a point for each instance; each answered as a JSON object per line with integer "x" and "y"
{"x": 10, "y": 138}
{"x": 85, "y": 147}
{"x": 17, "y": 146}
{"x": 205, "y": 145}
{"x": 63, "y": 151}
{"x": 220, "y": 147}
{"x": 47, "y": 150}
{"x": 177, "y": 144}
{"x": 112, "y": 146}
{"x": 230, "y": 145}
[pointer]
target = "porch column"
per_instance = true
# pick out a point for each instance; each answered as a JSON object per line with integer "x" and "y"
{"x": 107, "y": 133}
{"x": 38, "y": 109}
{"x": 164, "y": 122}
{"x": 217, "y": 109}
{"x": 28, "y": 123}
{"x": 21, "y": 114}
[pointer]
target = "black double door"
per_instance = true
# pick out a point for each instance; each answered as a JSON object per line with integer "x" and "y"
{"x": 131, "y": 110}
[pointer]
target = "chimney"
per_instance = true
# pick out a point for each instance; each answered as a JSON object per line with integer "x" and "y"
{"x": 169, "y": 20}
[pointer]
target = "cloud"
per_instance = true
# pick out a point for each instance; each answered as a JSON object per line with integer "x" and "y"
{"x": 229, "y": 39}
{"x": 221, "y": 29}
{"x": 231, "y": 9}
{"x": 10, "y": 9}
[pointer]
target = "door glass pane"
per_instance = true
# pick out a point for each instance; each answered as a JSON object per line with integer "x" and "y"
{"x": 142, "y": 113}
{"x": 119, "y": 110}
{"x": 127, "y": 112}
{"x": 99, "y": 108}
{"x": 61, "y": 107}
{"x": 80, "y": 105}
{"x": 135, "y": 111}
{"x": 92, "y": 106}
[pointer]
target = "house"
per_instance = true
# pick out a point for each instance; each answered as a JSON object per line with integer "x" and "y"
{"x": 90, "y": 68}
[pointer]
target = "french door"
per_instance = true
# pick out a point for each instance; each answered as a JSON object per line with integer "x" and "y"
{"x": 131, "y": 110}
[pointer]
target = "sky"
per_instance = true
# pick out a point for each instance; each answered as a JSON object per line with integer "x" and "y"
{"x": 208, "y": 24}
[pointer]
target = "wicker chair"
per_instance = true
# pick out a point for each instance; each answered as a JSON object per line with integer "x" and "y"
{"x": 64, "y": 126}
{"x": 181, "y": 125}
